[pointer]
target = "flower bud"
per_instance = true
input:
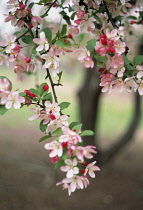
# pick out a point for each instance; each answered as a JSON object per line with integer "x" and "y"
{"x": 45, "y": 87}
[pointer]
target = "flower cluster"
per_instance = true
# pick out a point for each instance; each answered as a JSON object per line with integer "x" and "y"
{"x": 89, "y": 30}
{"x": 7, "y": 97}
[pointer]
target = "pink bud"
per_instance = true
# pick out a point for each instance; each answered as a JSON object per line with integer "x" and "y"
{"x": 28, "y": 59}
{"x": 22, "y": 6}
{"x": 45, "y": 87}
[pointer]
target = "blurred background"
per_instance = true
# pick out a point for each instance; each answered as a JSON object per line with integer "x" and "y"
{"x": 27, "y": 177}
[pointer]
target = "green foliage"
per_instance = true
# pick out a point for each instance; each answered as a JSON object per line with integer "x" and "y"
{"x": 57, "y": 132}
{"x": 48, "y": 33}
{"x": 40, "y": 89}
{"x": 59, "y": 164}
{"x": 91, "y": 45}
{"x": 64, "y": 105}
{"x": 87, "y": 133}
{"x": 72, "y": 125}
{"x": 3, "y": 110}
{"x": 77, "y": 127}
{"x": 43, "y": 127}
{"x": 138, "y": 60}
{"x": 44, "y": 138}
{"x": 27, "y": 39}
{"x": 64, "y": 30}
{"x": 81, "y": 37}
{"x": 63, "y": 43}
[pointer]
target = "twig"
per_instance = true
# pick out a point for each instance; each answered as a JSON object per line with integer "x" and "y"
{"x": 52, "y": 85}
{"x": 49, "y": 8}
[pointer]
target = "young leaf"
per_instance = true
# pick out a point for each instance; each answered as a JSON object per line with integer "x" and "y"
{"x": 27, "y": 39}
{"x": 64, "y": 105}
{"x": 77, "y": 127}
{"x": 64, "y": 30}
{"x": 87, "y": 133}
{"x": 57, "y": 132}
{"x": 72, "y": 125}
{"x": 91, "y": 45}
{"x": 44, "y": 138}
{"x": 59, "y": 163}
{"x": 138, "y": 60}
{"x": 81, "y": 37}
{"x": 3, "y": 110}
{"x": 43, "y": 127}
{"x": 40, "y": 89}
{"x": 31, "y": 5}
{"x": 34, "y": 91}
{"x": 48, "y": 97}
{"x": 48, "y": 33}
{"x": 63, "y": 43}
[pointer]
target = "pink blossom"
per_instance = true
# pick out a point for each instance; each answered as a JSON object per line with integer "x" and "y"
{"x": 119, "y": 47}
{"x": 36, "y": 20}
{"x": 140, "y": 73}
{"x": 18, "y": 69}
{"x": 88, "y": 62}
{"x": 9, "y": 44}
{"x": 118, "y": 84}
{"x": 74, "y": 182}
{"x": 55, "y": 148}
{"x": 36, "y": 113}
{"x": 52, "y": 108}
{"x": 91, "y": 168}
{"x": 14, "y": 100}
{"x": 69, "y": 136}
{"x": 11, "y": 18}
{"x": 88, "y": 150}
{"x": 73, "y": 29}
{"x": 119, "y": 71}
{"x": 112, "y": 34}
{"x": 117, "y": 60}
{"x": 42, "y": 42}
{"x": 3, "y": 59}
{"x": 102, "y": 51}
{"x": 70, "y": 167}
{"x": 4, "y": 85}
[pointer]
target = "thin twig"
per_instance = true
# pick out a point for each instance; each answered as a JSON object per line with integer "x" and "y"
{"x": 52, "y": 85}
{"x": 49, "y": 8}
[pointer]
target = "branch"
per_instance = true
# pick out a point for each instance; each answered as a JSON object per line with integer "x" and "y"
{"x": 49, "y": 8}
{"x": 52, "y": 85}
{"x": 109, "y": 16}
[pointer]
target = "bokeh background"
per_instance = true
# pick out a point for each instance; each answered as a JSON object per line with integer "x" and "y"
{"x": 27, "y": 177}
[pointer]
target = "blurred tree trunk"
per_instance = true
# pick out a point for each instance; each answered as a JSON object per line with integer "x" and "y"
{"x": 89, "y": 102}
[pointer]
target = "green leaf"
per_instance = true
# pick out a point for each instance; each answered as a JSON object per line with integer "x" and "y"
{"x": 64, "y": 30}
{"x": 132, "y": 17}
{"x": 87, "y": 133}
{"x": 62, "y": 43}
{"x": 91, "y": 45}
{"x": 48, "y": 33}
{"x": 65, "y": 156}
{"x": 58, "y": 132}
{"x": 48, "y": 97}
{"x": 73, "y": 16}
{"x": 129, "y": 67}
{"x": 40, "y": 89}
{"x": 60, "y": 75}
{"x": 43, "y": 127}
{"x": 44, "y": 138}
{"x": 16, "y": 33}
{"x": 27, "y": 39}
{"x": 31, "y": 5}
{"x": 3, "y": 77}
{"x": 77, "y": 127}
{"x": 72, "y": 125}
{"x": 138, "y": 60}
{"x": 34, "y": 91}
{"x": 100, "y": 58}
{"x": 126, "y": 60}
{"x": 81, "y": 37}
{"x": 22, "y": 94}
{"x": 64, "y": 105}
{"x": 59, "y": 163}
{"x": 3, "y": 110}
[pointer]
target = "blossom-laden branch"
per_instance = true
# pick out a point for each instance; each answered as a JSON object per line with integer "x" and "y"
{"x": 91, "y": 32}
